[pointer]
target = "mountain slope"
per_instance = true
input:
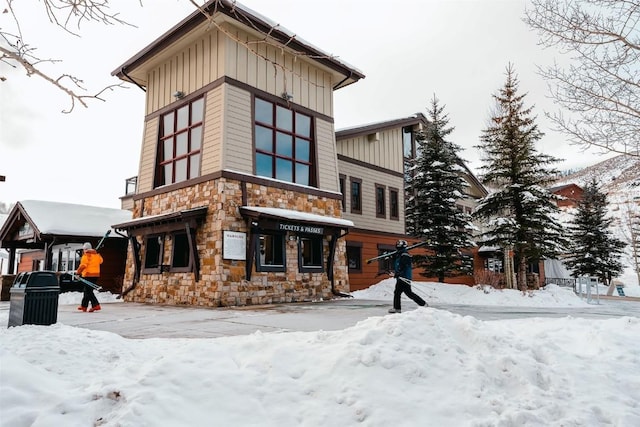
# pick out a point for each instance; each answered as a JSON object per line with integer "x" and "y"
{"x": 619, "y": 179}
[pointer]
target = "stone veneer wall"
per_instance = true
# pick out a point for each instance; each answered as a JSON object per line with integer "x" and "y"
{"x": 222, "y": 282}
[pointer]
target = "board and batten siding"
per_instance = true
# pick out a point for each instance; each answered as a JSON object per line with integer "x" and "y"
{"x": 327, "y": 165}
{"x": 189, "y": 65}
{"x": 213, "y": 134}
{"x": 370, "y": 177}
{"x": 274, "y": 70}
{"x": 385, "y": 152}
{"x": 238, "y": 127}
{"x": 206, "y": 55}
{"x": 148, "y": 155}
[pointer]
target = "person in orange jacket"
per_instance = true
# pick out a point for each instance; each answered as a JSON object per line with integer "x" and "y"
{"x": 89, "y": 269}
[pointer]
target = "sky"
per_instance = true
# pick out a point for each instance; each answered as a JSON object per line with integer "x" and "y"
{"x": 425, "y": 366}
{"x": 409, "y": 50}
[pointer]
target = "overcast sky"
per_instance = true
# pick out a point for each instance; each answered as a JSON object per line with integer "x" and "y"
{"x": 408, "y": 50}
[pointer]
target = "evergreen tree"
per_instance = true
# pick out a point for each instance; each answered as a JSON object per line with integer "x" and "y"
{"x": 519, "y": 215}
{"x": 435, "y": 184}
{"x": 594, "y": 249}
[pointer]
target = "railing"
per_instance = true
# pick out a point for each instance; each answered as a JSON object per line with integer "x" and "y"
{"x": 569, "y": 283}
{"x": 130, "y": 185}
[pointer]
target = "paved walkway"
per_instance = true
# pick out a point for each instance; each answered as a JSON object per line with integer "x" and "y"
{"x": 135, "y": 320}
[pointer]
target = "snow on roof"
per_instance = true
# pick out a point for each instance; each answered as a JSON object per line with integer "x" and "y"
{"x": 72, "y": 219}
{"x": 293, "y": 35}
{"x": 300, "y": 216}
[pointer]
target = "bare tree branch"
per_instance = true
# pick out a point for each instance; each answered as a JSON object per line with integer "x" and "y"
{"x": 68, "y": 15}
{"x": 599, "y": 92}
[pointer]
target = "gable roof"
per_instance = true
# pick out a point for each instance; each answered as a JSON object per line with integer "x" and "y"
{"x": 61, "y": 219}
{"x": 562, "y": 187}
{"x": 413, "y": 120}
{"x": 360, "y": 130}
{"x": 253, "y": 21}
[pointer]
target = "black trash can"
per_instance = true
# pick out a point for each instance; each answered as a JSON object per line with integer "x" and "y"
{"x": 34, "y": 299}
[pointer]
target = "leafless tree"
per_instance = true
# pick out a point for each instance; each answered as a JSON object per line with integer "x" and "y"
{"x": 599, "y": 90}
{"x": 68, "y": 16}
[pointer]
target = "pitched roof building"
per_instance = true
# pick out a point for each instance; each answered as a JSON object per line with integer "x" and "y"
{"x": 237, "y": 199}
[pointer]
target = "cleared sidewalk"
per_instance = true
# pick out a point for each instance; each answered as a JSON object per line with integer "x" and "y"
{"x": 134, "y": 320}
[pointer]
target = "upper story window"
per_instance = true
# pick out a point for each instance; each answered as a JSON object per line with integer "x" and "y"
{"x": 343, "y": 190}
{"x": 381, "y": 206}
{"x": 180, "y": 143}
{"x": 356, "y": 195}
{"x": 284, "y": 143}
{"x": 407, "y": 142}
{"x": 394, "y": 212}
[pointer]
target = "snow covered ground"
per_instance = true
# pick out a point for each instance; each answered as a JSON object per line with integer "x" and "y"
{"x": 424, "y": 367}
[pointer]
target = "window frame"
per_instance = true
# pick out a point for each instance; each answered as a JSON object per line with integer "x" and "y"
{"x": 350, "y": 246}
{"x": 356, "y": 208}
{"x": 315, "y": 239}
{"x": 385, "y": 265}
{"x": 343, "y": 190}
{"x": 190, "y": 155}
{"x": 394, "y": 195}
{"x": 270, "y": 267}
{"x": 381, "y": 201}
{"x": 158, "y": 269}
{"x": 189, "y": 266}
{"x": 297, "y": 140}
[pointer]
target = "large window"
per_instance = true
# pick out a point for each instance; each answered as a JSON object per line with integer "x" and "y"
{"x": 270, "y": 252}
{"x": 284, "y": 143}
{"x": 310, "y": 250}
{"x": 180, "y": 143}
{"x": 356, "y": 195}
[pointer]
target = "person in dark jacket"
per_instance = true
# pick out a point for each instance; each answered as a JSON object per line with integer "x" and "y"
{"x": 89, "y": 269}
{"x": 403, "y": 273}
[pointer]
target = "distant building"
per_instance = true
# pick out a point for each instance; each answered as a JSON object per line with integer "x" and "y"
{"x": 570, "y": 195}
{"x": 371, "y": 160}
{"x": 43, "y": 235}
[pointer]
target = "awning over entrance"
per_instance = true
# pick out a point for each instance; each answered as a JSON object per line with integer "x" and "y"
{"x": 258, "y": 212}
{"x": 182, "y": 220}
{"x": 159, "y": 223}
{"x": 291, "y": 221}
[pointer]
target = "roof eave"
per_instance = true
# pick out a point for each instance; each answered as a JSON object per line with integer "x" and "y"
{"x": 248, "y": 19}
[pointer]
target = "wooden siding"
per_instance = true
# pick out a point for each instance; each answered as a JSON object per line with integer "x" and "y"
{"x": 193, "y": 62}
{"x": 148, "y": 155}
{"x": 238, "y": 129}
{"x": 370, "y": 274}
{"x": 385, "y": 152}
{"x": 327, "y": 165}
{"x": 204, "y": 56}
{"x": 370, "y": 177}
{"x": 275, "y": 71}
{"x": 214, "y": 131}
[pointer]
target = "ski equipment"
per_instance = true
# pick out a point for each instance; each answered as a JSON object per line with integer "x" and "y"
{"x": 103, "y": 239}
{"x": 88, "y": 283}
{"x": 393, "y": 253}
